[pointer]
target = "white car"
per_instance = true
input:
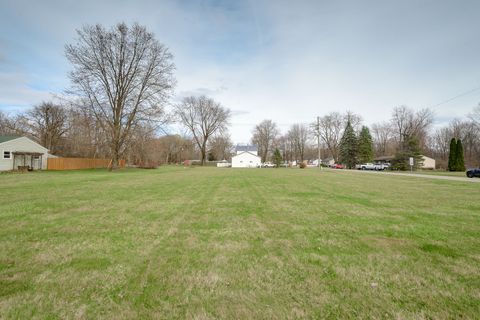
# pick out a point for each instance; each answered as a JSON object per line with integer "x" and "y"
{"x": 366, "y": 166}
{"x": 268, "y": 165}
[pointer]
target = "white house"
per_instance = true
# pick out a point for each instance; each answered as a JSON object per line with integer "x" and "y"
{"x": 246, "y": 157}
{"x": 18, "y": 152}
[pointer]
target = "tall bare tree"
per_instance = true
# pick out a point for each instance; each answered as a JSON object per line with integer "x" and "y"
{"x": 124, "y": 75}
{"x": 221, "y": 147}
{"x": 264, "y": 135}
{"x": 382, "y": 133}
{"x": 298, "y": 135}
{"x": 48, "y": 123}
{"x": 407, "y": 122}
{"x": 203, "y": 117}
{"x": 331, "y": 129}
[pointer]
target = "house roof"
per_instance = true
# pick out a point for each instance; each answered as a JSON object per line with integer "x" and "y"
{"x": 7, "y": 138}
{"x": 244, "y": 148}
{"x": 248, "y": 152}
{"x": 4, "y": 139}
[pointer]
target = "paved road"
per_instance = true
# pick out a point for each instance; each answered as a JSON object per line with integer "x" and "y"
{"x": 416, "y": 175}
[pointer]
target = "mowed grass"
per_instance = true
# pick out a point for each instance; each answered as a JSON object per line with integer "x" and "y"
{"x": 204, "y": 243}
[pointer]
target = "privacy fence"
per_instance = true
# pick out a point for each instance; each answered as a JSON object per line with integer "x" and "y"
{"x": 79, "y": 163}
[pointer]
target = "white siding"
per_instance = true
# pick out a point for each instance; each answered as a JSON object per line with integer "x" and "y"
{"x": 245, "y": 160}
{"x": 428, "y": 163}
{"x": 20, "y": 144}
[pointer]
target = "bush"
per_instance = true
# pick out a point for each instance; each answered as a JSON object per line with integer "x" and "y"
{"x": 302, "y": 165}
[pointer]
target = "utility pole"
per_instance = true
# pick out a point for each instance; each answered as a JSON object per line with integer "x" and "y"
{"x": 318, "y": 142}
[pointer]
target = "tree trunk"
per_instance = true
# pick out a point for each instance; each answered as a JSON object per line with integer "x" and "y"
{"x": 204, "y": 151}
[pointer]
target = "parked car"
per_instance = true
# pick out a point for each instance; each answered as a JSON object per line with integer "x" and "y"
{"x": 371, "y": 166}
{"x": 473, "y": 173}
{"x": 337, "y": 166}
{"x": 382, "y": 166}
{"x": 268, "y": 165}
{"x": 365, "y": 166}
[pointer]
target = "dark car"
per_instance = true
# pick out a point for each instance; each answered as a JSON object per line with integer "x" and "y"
{"x": 473, "y": 173}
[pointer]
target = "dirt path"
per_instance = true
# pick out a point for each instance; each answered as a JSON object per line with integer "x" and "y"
{"x": 416, "y": 175}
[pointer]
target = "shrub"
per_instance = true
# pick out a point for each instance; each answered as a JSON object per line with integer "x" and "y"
{"x": 302, "y": 165}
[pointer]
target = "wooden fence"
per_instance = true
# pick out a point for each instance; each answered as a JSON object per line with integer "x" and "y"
{"x": 79, "y": 163}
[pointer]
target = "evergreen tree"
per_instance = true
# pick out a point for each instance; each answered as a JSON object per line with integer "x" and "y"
{"x": 348, "y": 147}
{"x": 409, "y": 148}
{"x": 460, "y": 161}
{"x": 365, "y": 146}
{"x": 277, "y": 158}
{"x": 452, "y": 156}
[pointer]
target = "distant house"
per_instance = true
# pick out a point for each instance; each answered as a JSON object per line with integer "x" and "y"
{"x": 21, "y": 152}
{"x": 428, "y": 163}
{"x": 328, "y": 161}
{"x": 246, "y": 157}
{"x": 384, "y": 159}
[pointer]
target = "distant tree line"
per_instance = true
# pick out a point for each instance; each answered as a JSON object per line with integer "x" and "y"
{"x": 407, "y": 134}
{"x": 119, "y": 107}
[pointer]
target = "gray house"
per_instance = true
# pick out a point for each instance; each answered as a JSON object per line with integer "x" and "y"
{"x": 21, "y": 153}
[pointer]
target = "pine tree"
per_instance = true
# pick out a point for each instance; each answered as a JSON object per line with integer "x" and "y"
{"x": 409, "y": 148}
{"x": 460, "y": 161}
{"x": 452, "y": 156}
{"x": 277, "y": 158}
{"x": 348, "y": 147}
{"x": 365, "y": 146}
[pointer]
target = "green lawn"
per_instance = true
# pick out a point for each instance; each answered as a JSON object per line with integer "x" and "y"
{"x": 204, "y": 243}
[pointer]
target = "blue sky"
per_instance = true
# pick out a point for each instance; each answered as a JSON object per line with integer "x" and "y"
{"x": 288, "y": 61}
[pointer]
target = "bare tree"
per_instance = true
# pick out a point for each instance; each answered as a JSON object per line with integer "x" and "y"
{"x": 355, "y": 120}
{"x": 48, "y": 124}
{"x": 382, "y": 133}
{"x": 264, "y": 135}
{"x": 440, "y": 143}
{"x": 406, "y": 123}
{"x": 85, "y": 136}
{"x": 14, "y": 125}
{"x": 298, "y": 136}
{"x": 125, "y": 77}
{"x": 203, "y": 118}
{"x": 5, "y": 126}
{"x": 221, "y": 147}
{"x": 331, "y": 128}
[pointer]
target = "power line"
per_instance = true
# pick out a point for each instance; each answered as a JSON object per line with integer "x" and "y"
{"x": 456, "y": 97}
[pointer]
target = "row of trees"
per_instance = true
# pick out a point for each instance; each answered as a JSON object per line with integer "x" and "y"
{"x": 123, "y": 79}
{"x": 408, "y": 134}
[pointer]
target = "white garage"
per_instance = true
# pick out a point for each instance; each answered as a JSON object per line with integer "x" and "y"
{"x": 246, "y": 159}
{"x": 18, "y": 153}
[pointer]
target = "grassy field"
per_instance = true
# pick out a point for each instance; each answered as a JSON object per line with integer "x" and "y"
{"x": 203, "y": 243}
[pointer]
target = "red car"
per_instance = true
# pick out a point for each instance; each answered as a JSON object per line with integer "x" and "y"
{"x": 336, "y": 166}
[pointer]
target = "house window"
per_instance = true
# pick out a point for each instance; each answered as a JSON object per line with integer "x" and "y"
{"x": 7, "y": 155}
{"x": 36, "y": 157}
